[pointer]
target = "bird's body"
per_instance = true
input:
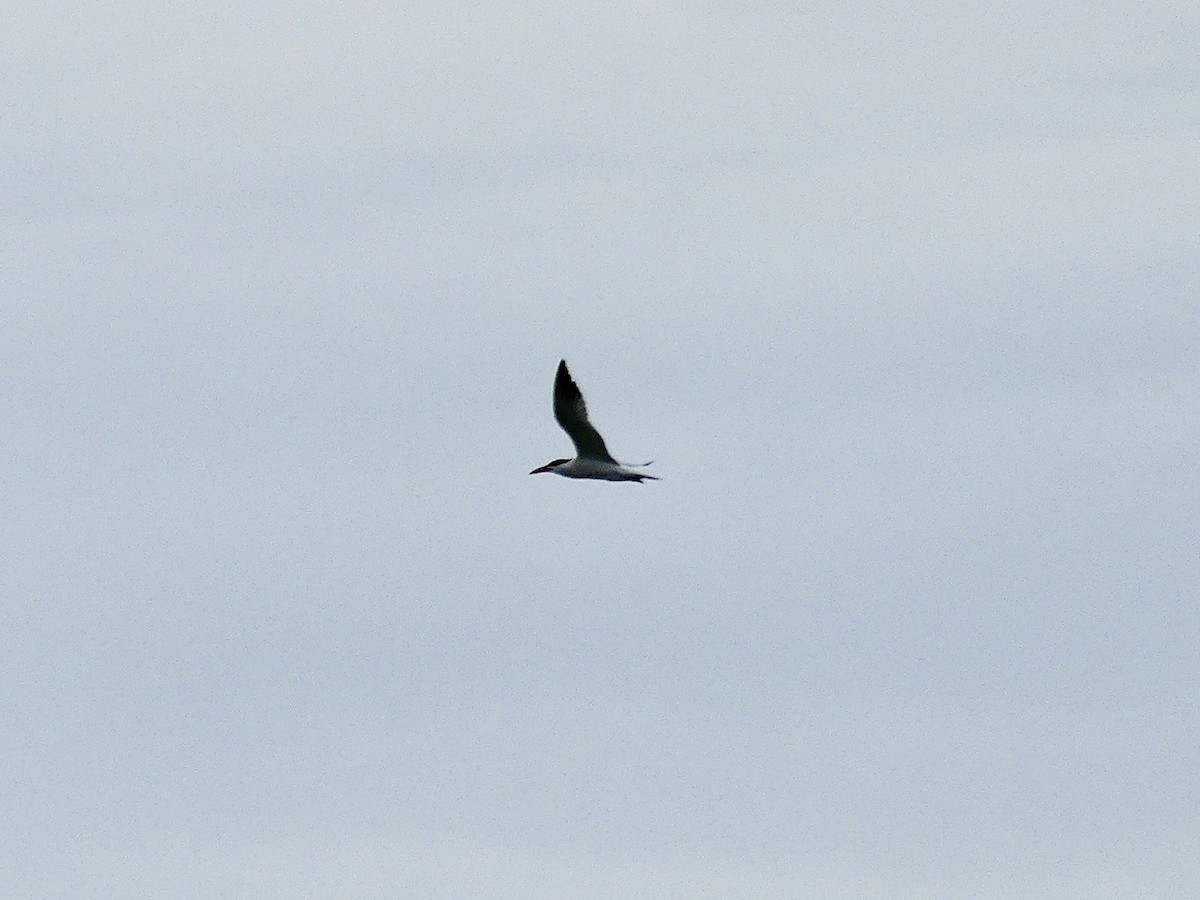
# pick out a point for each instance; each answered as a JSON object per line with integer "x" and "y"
{"x": 592, "y": 459}
{"x": 597, "y": 468}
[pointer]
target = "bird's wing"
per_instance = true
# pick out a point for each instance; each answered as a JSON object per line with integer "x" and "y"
{"x": 571, "y": 413}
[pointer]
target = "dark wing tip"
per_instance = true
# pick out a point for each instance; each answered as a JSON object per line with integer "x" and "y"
{"x": 563, "y": 382}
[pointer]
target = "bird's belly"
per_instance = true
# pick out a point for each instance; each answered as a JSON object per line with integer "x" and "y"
{"x": 593, "y": 468}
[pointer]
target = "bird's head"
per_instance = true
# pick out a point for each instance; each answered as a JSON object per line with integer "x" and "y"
{"x": 550, "y": 466}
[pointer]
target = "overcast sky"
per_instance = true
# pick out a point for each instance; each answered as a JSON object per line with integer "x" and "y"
{"x": 902, "y": 300}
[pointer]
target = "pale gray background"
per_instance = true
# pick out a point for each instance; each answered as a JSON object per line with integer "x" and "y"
{"x": 902, "y": 299}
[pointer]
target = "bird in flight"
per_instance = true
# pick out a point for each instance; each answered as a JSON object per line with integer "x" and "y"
{"x": 592, "y": 459}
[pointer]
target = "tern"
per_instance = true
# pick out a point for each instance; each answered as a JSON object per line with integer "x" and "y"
{"x": 592, "y": 459}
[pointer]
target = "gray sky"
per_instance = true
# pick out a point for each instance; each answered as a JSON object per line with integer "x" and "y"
{"x": 902, "y": 299}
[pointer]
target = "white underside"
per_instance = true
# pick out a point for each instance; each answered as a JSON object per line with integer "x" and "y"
{"x": 595, "y": 468}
